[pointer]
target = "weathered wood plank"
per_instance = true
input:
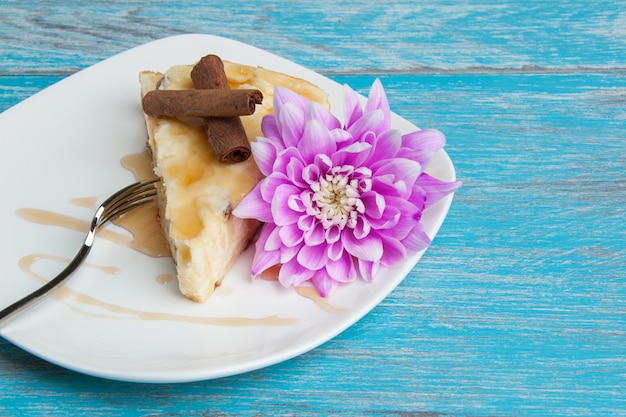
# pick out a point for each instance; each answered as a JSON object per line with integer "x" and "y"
{"x": 518, "y": 308}
{"x": 404, "y": 36}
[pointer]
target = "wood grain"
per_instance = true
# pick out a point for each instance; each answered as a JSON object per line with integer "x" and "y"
{"x": 329, "y": 36}
{"x": 519, "y": 306}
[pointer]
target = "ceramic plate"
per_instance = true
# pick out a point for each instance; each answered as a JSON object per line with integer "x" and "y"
{"x": 119, "y": 316}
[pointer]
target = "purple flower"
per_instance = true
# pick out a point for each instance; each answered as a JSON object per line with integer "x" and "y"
{"x": 339, "y": 200}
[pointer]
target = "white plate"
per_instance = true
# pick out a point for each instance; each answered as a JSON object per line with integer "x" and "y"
{"x": 67, "y": 142}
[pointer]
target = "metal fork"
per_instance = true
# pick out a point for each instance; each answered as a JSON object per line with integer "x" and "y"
{"x": 119, "y": 203}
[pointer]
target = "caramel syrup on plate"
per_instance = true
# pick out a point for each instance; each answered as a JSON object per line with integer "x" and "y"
{"x": 146, "y": 237}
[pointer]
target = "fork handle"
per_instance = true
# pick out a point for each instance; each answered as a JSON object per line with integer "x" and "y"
{"x": 35, "y": 296}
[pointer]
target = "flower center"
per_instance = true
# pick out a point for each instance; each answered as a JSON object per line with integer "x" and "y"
{"x": 337, "y": 199}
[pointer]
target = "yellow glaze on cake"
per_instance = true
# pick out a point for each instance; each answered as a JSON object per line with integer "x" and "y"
{"x": 246, "y": 77}
{"x": 198, "y": 193}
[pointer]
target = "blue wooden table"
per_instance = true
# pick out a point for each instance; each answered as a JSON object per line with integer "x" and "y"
{"x": 519, "y": 306}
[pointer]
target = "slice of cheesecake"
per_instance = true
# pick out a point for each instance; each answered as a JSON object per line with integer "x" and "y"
{"x": 198, "y": 193}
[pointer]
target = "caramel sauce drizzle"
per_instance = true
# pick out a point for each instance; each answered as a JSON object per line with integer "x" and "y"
{"x": 323, "y": 303}
{"x": 27, "y": 262}
{"x": 271, "y": 274}
{"x": 65, "y": 294}
{"x": 145, "y": 237}
{"x": 165, "y": 279}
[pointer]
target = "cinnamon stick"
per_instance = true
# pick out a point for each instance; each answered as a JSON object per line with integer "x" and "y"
{"x": 201, "y": 103}
{"x": 226, "y": 134}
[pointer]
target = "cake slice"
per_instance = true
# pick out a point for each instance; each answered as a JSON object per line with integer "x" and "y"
{"x": 198, "y": 193}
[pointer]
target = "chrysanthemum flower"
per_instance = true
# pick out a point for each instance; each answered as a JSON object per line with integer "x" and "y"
{"x": 339, "y": 200}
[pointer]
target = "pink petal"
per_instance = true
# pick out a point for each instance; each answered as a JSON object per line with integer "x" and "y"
{"x": 430, "y": 139}
{"x": 367, "y": 269}
{"x": 253, "y": 206}
{"x": 333, "y": 234}
{"x": 403, "y": 170}
{"x": 374, "y": 204}
{"x": 394, "y": 252}
{"x": 388, "y": 144}
{"x": 283, "y": 95}
{"x": 353, "y": 109}
{"x": 311, "y": 174}
{"x": 362, "y": 228}
{"x": 421, "y": 145}
{"x": 390, "y": 218}
{"x": 291, "y": 124}
{"x": 316, "y": 111}
{"x": 370, "y": 137}
{"x": 264, "y": 259}
{"x": 313, "y": 257}
{"x": 398, "y": 173}
{"x": 355, "y": 154}
{"x": 323, "y": 162}
{"x": 292, "y": 274}
{"x": 269, "y": 185}
{"x": 295, "y": 203}
{"x": 281, "y": 212}
{"x": 416, "y": 240}
{"x": 435, "y": 188}
{"x": 368, "y": 249}
{"x": 269, "y": 127}
{"x": 341, "y": 137}
{"x": 406, "y": 221}
{"x": 335, "y": 250}
{"x": 363, "y": 173}
{"x": 315, "y": 140}
{"x": 342, "y": 269}
{"x": 377, "y": 100}
{"x": 272, "y": 241}
{"x": 288, "y": 253}
{"x": 383, "y": 185}
{"x": 370, "y": 122}
{"x": 422, "y": 156}
{"x": 418, "y": 197}
{"x": 266, "y": 230}
{"x": 291, "y": 235}
{"x": 293, "y": 170}
{"x": 306, "y": 222}
{"x": 285, "y": 160}
{"x": 323, "y": 283}
{"x": 264, "y": 153}
{"x": 315, "y": 235}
